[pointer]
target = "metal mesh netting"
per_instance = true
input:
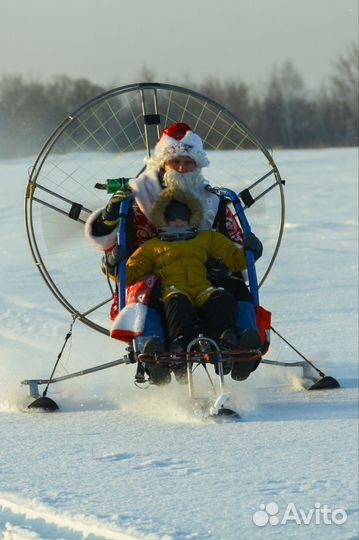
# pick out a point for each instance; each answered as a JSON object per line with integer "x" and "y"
{"x": 109, "y": 137}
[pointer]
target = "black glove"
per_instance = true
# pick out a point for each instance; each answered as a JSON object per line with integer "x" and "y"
{"x": 110, "y": 215}
{"x": 252, "y": 243}
{"x": 217, "y": 270}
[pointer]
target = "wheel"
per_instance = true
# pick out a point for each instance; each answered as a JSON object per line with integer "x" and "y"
{"x": 109, "y": 137}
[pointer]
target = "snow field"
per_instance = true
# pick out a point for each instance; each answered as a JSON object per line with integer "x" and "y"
{"x": 120, "y": 463}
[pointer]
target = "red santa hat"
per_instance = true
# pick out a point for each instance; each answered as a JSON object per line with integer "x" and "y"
{"x": 179, "y": 140}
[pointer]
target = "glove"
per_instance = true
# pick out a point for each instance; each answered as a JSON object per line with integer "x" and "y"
{"x": 111, "y": 260}
{"x": 110, "y": 216}
{"x": 217, "y": 270}
{"x": 252, "y": 243}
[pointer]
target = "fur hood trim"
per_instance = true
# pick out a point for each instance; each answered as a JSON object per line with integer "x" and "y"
{"x": 102, "y": 243}
{"x": 168, "y": 195}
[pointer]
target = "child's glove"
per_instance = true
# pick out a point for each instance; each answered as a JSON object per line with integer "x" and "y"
{"x": 111, "y": 260}
{"x": 252, "y": 243}
{"x": 217, "y": 270}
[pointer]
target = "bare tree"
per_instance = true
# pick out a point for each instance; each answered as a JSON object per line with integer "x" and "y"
{"x": 30, "y": 110}
{"x": 344, "y": 91}
{"x": 282, "y": 107}
{"x": 283, "y": 114}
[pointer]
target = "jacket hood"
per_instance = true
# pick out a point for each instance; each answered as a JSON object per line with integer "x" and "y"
{"x": 164, "y": 199}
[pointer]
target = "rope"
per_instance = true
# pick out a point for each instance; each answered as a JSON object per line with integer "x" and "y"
{"x": 298, "y": 352}
{"x": 67, "y": 337}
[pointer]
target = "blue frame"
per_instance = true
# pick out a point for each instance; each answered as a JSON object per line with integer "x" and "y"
{"x": 121, "y": 240}
{"x": 252, "y": 273}
{"x": 224, "y": 192}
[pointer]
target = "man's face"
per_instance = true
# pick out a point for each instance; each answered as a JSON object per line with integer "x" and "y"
{"x": 181, "y": 164}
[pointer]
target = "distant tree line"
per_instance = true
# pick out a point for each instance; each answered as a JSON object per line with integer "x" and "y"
{"x": 283, "y": 114}
{"x": 30, "y": 111}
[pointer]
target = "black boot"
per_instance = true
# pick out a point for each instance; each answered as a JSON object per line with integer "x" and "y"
{"x": 159, "y": 371}
{"x": 180, "y": 369}
{"x": 250, "y": 339}
{"x": 228, "y": 341}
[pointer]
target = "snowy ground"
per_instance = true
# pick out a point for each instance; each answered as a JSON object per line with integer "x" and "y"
{"x": 121, "y": 463}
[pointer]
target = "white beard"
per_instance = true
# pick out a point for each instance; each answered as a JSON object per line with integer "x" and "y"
{"x": 194, "y": 183}
{"x": 147, "y": 187}
{"x": 190, "y": 181}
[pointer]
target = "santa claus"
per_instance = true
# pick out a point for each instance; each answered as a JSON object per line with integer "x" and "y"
{"x": 177, "y": 163}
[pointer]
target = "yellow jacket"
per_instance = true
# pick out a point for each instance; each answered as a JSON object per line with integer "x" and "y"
{"x": 180, "y": 265}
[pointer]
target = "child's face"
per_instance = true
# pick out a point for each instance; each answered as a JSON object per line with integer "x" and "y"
{"x": 178, "y": 223}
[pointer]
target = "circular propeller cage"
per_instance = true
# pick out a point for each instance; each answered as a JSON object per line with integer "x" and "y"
{"x": 109, "y": 137}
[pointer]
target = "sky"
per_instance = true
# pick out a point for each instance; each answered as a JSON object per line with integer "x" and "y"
{"x": 112, "y": 42}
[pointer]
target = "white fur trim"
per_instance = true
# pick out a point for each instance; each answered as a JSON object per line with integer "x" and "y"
{"x": 101, "y": 243}
{"x": 130, "y": 321}
{"x": 190, "y": 145}
{"x": 146, "y": 189}
{"x": 212, "y": 209}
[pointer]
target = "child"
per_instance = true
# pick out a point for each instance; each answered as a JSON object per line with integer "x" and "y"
{"x": 178, "y": 256}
